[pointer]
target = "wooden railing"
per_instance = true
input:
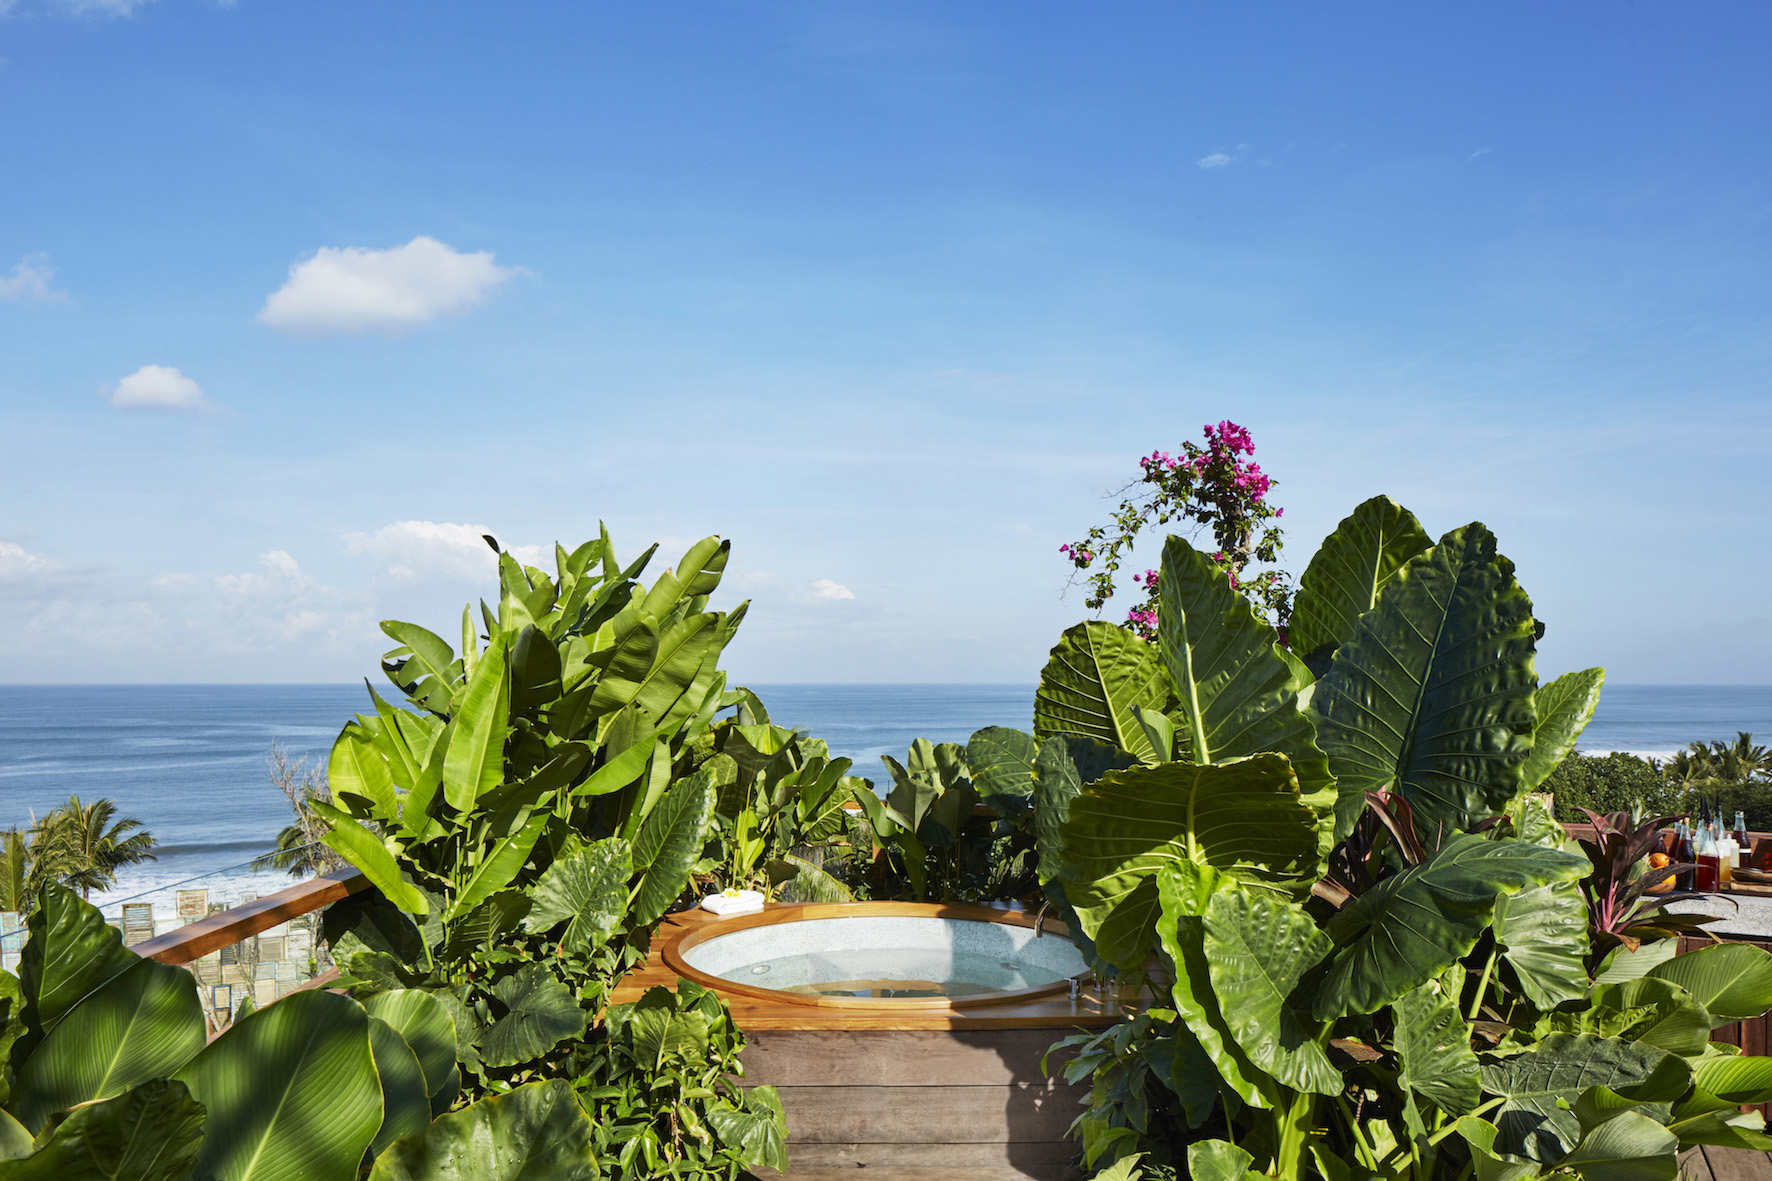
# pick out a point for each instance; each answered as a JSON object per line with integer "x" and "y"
{"x": 228, "y": 927}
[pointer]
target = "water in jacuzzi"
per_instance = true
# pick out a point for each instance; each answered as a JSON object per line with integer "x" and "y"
{"x": 892, "y": 972}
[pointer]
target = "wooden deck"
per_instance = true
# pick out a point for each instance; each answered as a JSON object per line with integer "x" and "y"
{"x": 1725, "y": 1164}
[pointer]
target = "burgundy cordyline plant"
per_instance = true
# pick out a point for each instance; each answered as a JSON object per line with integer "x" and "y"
{"x": 1621, "y": 909}
{"x": 1213, "y": 486}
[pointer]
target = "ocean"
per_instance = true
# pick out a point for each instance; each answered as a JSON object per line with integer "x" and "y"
{"x": 190, "y": 761}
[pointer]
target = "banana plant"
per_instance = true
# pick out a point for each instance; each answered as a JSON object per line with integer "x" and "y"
{"x": 110, "y": 1072}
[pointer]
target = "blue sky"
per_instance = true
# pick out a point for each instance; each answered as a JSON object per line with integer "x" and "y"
{"x": 295, "y": 299}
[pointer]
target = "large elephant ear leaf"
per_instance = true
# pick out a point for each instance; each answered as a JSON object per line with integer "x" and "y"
{"x": 1257, "y": 950}
{"x": 1414, "y": 925}
{"x": 1243, "y": 819}
{"x": 406, "y": 1108}
{"x": 540, "y": 1013}
{"x": 1237, "y": 695}
{"x": 1347, "y": 573}
{"x": 1432, "y": 694}
{"x": 291, "y": 1092}
{"x": 1564, "y": 708}
{"x": 1097, "y": 674}
{"x": 1002, "y": 762}
{"x": 140, "y": 1025}
{"x": 1433, "y": 1046}
{"x": 149, "y": 1133}
{"x": 1543, "y": 936}
{"x": 1539, "y": 1087}
{"x": 537, "y": 1132}
{"x": 667, "y": 846}
{"x": 1733, "y": 981}
{"x": 588, "y": 891}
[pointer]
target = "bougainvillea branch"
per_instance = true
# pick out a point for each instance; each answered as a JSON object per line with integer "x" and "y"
{"x": 1212, "y": 486}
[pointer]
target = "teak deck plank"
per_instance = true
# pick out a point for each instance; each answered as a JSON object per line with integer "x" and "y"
{"x": 1092, "y": 1009}
{"x": 1736, "y": 1164}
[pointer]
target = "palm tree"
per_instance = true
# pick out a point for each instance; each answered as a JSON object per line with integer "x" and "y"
{"x": 21, "y": 874}
{"x": 299, "y": 851}
{"x": 84, "y": 846}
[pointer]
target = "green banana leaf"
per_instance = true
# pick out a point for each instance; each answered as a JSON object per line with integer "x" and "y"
{"x": 1733, "y": 981}
{"x": 1432, "y": 694}
{"x": 423, "y": 666}
{"x": 500, "y": 867}
{"x": 588, "y": 891}
{"x": 1628, "y": 1147}
{"x": 141, "y": 1024}
{"x": 406, "y": 1108}
{"x": 366, "y": 851}
{"x": 1236, "y": 692}
{"x": 1622, "y": 963}
{"x": 1433, "y": 1047}
{"x": 1564, "y": 708}
{"x": 1414, "y": 925}
{"x": 537, "y": 1132}
{"x": 1242, "y": 818}
{"x": 1544, "y": 938}
{"x": 1737, "y": 1081}
{"x": 540, "y": 1013}
{"x": 1347, "y": 573}
{"x": 667, "y": 846}
{"x": 15, "y": 1142}
{"x": 474, "y": 760}
{"x": 1539, "y": 1086}
{"x": 358, "y": 767}
{"x": 429, "y": 1031}
{"x": 149, "y": 1133}
{"x": 1257, "y": 950}
{"x": 291, "y": 1092}
{"x": 658, "y": 666}
{"x": 69, "y": 952}
{"x": 1096, "y": 675}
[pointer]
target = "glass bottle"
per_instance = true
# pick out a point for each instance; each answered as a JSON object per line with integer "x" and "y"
{"x": 1705, "y": 879}
{"x": 1683, "y": 855}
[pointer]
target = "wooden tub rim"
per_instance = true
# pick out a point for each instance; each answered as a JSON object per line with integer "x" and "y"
{"x": 792, "y": 912}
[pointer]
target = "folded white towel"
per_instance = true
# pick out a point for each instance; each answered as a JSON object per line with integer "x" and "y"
{"x": 741, "y": 902}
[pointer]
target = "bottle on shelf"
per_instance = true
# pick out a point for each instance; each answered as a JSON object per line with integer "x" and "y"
{"x": 1705, "y": 879}
{"x": 1683, "y": 855}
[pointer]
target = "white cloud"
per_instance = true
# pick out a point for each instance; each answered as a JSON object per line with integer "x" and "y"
{"x": 1478, "y": 152}
{"x": 412, "y": 548}
{"x": 18, "y": 564}
{"x": 158, "y": 387}
{"x": 830, "y": 591}
{"x": 111, "y": 8}
{"x": 1215, "y": 161}
{"x": 351, "y": 289}
{"x": 29, "y": 281}
{"x": 281, "y": 575}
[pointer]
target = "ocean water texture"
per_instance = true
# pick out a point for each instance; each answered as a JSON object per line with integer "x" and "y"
{"x": 190, "y": 760}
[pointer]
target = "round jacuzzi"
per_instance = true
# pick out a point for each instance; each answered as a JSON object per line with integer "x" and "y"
{"x": 873, "y": 954}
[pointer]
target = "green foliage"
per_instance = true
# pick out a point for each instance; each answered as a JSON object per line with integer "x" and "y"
{"x": 84, "y": 845}
{"x": 557, "y": 787}
{"x": 1615, "y": 782}
{"x": 1437, "y": 926}
{"x": 537, "y": 1132}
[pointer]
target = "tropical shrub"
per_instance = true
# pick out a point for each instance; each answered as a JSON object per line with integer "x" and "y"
{"x": 532, "y": 820}
{"x": 1616, "y": 782}
{"x": 1377, "y": 944}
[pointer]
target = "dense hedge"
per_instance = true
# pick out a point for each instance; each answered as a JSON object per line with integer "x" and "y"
{"x": 1625, "y": 783}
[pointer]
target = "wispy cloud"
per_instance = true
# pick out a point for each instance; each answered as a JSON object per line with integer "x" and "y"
{"x": 30, "y": 279}
{"x": 411, "y": 549}
{"x": 353, "y": 290}
{"x": 1215, "y": 161}
{"x": 831, "y": 592}
{"x": 1479, "y": 152}
{"x": 158, "y": 387}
